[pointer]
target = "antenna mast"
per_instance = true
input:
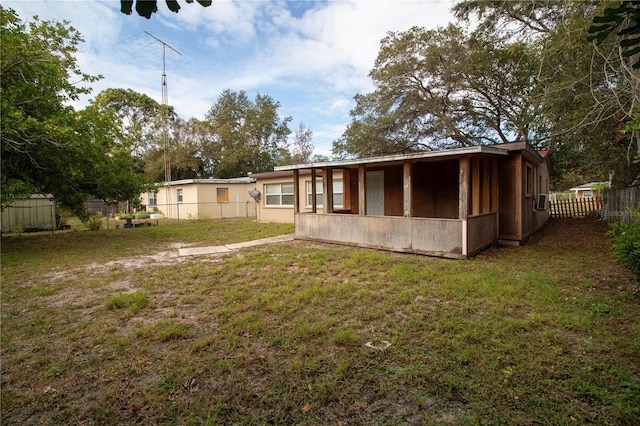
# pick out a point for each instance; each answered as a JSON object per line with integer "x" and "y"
{"x": 165, "y": 124}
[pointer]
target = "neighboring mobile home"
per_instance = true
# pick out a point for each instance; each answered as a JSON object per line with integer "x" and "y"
{"x": 203, "y": 198}
{"x": 450, "y": 203}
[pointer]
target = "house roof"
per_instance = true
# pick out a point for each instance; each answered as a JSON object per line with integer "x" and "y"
{"x": 282, "y": 173}
{"x": 395, "y": 158}
{"x": 238, "y": 180}
{"x": 588, "y": 186}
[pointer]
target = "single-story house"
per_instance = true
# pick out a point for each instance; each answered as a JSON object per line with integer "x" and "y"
{"x": 449, "y": 203}
{"x": 589, "y": 190}
{"x": 203, "y": 198}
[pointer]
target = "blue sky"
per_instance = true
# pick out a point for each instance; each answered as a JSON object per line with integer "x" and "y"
{"x": 311, "y": 56}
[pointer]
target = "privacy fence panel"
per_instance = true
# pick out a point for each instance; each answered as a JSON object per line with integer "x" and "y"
{"x": 618, "y": 202}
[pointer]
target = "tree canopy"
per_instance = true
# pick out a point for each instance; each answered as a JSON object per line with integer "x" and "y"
{"x": 526, "y": 72}
{"x": 248, "y": 136}
{"x": 47, "y": 146}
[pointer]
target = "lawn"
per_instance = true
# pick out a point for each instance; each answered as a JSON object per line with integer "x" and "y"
{"x": 112, "y": 327}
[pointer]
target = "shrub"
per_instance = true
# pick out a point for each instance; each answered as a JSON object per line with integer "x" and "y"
{"x": 94, "y": 222}
{"x": 626, "y": 242}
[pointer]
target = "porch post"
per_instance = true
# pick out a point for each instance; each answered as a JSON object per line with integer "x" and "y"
{"x": 494, "y": 184}
{"x": 407, "y": 185}
{"x": 476, "y": 195}
{"x": 296, "y": 191}
{"x": 486, "y": 185}
{"x": 314, "y": 201}
{"x": 362, "y": 200}
{"x": 463, "y": 201}
{"x": 327, "y": 189}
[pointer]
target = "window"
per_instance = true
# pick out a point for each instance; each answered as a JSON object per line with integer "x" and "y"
{"x": 278, "y": 194}
{"x": 587, "y": 194}
{"x": 529, "y": 182}
{"x": 153, "y": 199}
{"x": 338, "y": 193}
{"x": 179, "y": 194}
{"x": 222, "y": 194}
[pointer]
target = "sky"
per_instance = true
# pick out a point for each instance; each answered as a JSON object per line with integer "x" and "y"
{"x": 312, "y": 57}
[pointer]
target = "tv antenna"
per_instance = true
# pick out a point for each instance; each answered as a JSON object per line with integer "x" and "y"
{"x": 165, "y": 124}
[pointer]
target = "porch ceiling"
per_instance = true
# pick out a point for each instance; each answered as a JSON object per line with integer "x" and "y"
{"x": 399, "y": 158}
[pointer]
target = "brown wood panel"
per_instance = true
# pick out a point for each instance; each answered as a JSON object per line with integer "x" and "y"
{"x": 507, "y": 196}
{"x": 463, "y": 208}
{"x": 486, "y": 185}
{"x": 393, "y": 191}
{"x": 475, "y": 186}
{"x": 435, "y": 189}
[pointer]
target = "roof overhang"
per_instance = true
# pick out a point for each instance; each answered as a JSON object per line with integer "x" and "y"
{"x": 399, "y": 158}
{"x": 239, "y": 180}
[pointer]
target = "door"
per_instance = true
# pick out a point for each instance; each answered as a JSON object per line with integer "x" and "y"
{"x": 375, "y": 193}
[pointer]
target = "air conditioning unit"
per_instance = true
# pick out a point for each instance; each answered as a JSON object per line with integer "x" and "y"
{"x": 542, "y": 202}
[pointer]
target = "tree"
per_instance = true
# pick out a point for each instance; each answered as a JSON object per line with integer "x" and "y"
{"x": 186, "y": 157}
{"x": 441, "y": 88}
{"x": 147, "y": 8}
{"x": 138, "y": 116}
{"x": 249, "y": 136}
{"x": 302, "y": 144}
{"x": 587, "y": 91}
{"x": 48, "y": 147}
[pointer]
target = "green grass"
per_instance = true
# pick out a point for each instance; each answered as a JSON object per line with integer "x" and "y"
{"x": 548, "y": 333}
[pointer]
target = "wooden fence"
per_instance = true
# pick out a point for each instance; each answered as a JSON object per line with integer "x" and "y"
{"x": 575, "y": 208}
{"x": 617, "y": 203}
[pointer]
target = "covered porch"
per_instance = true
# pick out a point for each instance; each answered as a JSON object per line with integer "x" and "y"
{"x": 440, "y": 203}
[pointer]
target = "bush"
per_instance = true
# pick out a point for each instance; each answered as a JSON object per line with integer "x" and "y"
{"x": 94, "y": 222}
{"x": 626, "y": 242}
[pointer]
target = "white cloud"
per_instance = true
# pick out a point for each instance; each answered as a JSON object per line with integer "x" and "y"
{"x": 312, "y": 57}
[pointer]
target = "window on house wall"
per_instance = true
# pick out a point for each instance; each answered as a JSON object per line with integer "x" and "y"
{"x": 179, "y": 195}
{"x": 338, "y": 193}
{"x": 278, "y": 194}
{"x": 529, "y": 181}
{"x": 222, "y": 195}
{"x": 587, "y": 194}
{"x": 153, "y": 199}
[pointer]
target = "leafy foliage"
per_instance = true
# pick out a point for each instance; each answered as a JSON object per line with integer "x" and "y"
{"x": 94, "y": 222}
{"x": 442, "y": 88}
{"x": 626, "y": 242}
{"x": 249, "y": 136}
{"x": 623, "y": 20}
{"x": 47, "y": 146}
{"x": 147, "y": 8}
{"x": 526, "y": 73}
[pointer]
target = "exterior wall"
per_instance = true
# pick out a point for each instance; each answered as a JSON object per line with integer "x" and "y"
{"x": 199, "y": 199}
{"x": 284, "y": 214}
{"x": 482, "y": 232}
{"x": 278, "y": 214}
{"x": 37, "y": 213}
{"x": 521, "y": 181}
{"x": 438, "y": 237}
